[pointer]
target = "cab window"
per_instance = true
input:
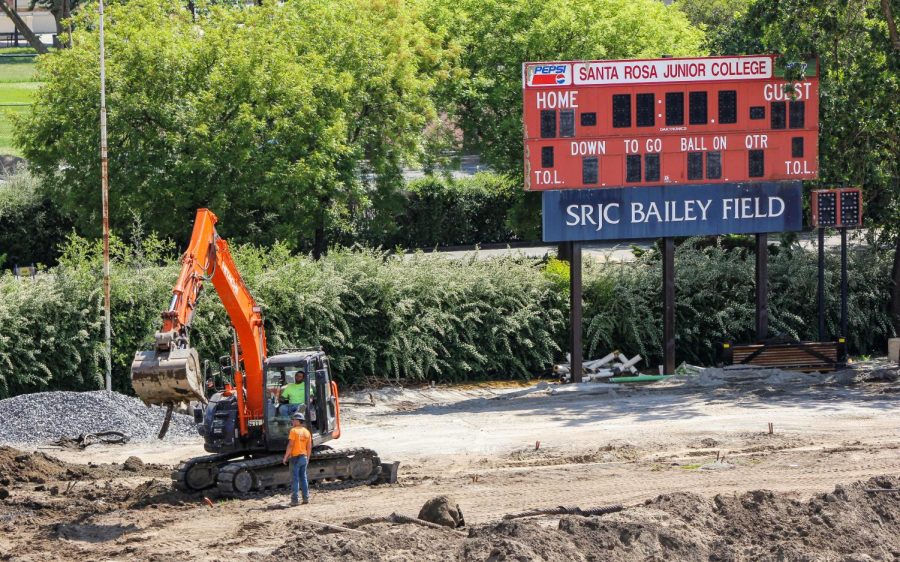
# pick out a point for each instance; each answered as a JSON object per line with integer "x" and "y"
{"x": 277, "y": 376}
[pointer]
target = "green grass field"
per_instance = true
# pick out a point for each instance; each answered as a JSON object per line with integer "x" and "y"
{"x": 17, "y": 88}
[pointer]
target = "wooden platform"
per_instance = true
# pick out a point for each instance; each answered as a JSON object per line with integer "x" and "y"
{"x": 794, "y": 356}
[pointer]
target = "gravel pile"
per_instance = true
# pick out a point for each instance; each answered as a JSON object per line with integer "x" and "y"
{"x": 47, "y": 416}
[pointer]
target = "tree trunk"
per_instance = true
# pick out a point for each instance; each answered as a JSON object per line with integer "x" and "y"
{"x": 892, "y": 25}
{"x": 895, "y": 290}
{"x": 62, "y": 11}
{"x": 23, "y": 29}
{"x": 320, "y": 243}
{"x": 57, "y": 18}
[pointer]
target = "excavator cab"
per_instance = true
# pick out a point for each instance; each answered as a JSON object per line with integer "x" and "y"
{"x": 318, "y": 402}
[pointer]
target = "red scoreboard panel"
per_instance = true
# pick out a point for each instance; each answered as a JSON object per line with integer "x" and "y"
{"x": 668, "y": 121}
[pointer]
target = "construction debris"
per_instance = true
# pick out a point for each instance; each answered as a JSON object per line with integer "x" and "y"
{"x": 47, "y": 417}
{"x": 563, "y": 510}
{"x": 87, "y": 439}
{"x": 611, "y": 365}
{"x": 397, "y": 519}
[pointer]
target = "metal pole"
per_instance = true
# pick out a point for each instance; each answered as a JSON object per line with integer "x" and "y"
{"x": 821, "y": 294}
{"x": 575, "y": 358}
{"x": 762, "y": 287}
{"x": 104, "y": 184}
{"x": 844, "y": 283}
{"x": 669, "y": 306}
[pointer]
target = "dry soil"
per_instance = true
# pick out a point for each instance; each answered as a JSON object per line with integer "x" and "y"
{"x": 692, "y": 461}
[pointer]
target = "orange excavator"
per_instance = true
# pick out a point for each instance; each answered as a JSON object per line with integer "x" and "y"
{"x": 244, "y": 425}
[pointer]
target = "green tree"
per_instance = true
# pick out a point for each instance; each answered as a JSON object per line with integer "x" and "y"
{"x": 492, "y": 38}
{"x": 713, "y": 15}
{"x": 859, "y": 91}
{"x": 274, "y": 116}
{"x": 488, "y": 40}
{"x": 31, "y": 225}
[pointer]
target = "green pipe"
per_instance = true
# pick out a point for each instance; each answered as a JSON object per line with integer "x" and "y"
{"x": 641, "y": 378}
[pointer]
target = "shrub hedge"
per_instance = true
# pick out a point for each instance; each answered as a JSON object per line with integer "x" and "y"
{"x": 31, "y": 225}
{"x": 422, "y": 317}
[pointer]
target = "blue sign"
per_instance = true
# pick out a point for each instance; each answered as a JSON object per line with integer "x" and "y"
{"x": 675, "y": 210}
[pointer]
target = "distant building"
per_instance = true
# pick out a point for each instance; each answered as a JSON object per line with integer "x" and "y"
{"x": 39, "y": 20}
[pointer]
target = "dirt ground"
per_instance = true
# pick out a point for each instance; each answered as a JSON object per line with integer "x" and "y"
{"x": 822, "y": 486}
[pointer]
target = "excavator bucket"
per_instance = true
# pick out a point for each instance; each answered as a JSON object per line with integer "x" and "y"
{"x": 167, "y": 377}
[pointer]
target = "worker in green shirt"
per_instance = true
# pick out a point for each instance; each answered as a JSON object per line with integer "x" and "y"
{"x": 292, "y": 395}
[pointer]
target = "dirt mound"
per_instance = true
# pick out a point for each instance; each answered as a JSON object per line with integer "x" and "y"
{"x": 18, "y": 466}
{"x": 856, "y": 522}
{"x": 150, "y": 493}
{"x": 383, "y": 541}
{"x": 442, "y": 510}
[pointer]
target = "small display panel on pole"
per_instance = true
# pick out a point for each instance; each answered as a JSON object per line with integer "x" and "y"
{"x": 839, "y": 208}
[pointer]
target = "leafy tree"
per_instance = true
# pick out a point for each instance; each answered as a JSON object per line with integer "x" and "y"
{"x": 490, "y": 40}
{"x": 859, "y": 89}
{"x": 31, "y": 225}
{"x": 713, "y": 15}
{"x": 275, "y": 116}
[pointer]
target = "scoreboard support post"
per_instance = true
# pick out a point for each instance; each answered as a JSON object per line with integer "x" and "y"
{"x": 762, "y": 287}
{"x": 668, "y": 306}
{"x": 823, "y": 336}
{"x": 844, "y": 289}
{"x": 575, "y": 313}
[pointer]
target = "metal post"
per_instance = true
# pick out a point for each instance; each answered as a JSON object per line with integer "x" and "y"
{"x": 821, "y": 293}
{"x": 762, "y": 287}
{"x": 844, "y": 283}
{"x": 104, "y": 186}
{"x": 669, "y": 306}
{"x": 575, "y": 358}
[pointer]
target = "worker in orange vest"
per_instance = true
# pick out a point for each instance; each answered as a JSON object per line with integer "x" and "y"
{"x": 298, "y": 452}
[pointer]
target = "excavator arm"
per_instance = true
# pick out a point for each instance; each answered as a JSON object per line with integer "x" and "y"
{"x": 170, "y": 372}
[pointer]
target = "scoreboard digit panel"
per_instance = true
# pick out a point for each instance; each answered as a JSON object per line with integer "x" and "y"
{"x": 837, "y": 207}
{"x": 668, "y": 121}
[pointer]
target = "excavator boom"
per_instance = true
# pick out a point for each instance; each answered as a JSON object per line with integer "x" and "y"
{"x": 170, "y": 372}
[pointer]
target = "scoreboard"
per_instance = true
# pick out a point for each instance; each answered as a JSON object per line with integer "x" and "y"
{"x": 632, "y": 123}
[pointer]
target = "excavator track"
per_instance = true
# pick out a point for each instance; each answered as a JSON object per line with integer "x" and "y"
{"x": 361, "y": 460}
{"x": 329, "y": 469}
{"x": 199, "y": 473}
